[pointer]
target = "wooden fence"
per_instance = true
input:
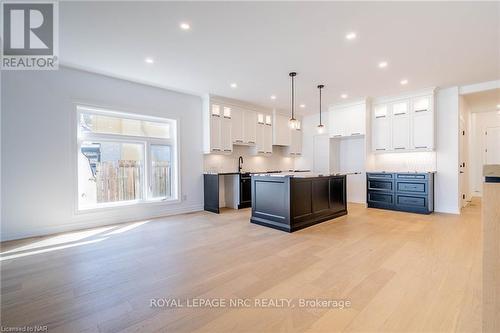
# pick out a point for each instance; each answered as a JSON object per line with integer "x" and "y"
{"x": 121, "y": 180}
{"x": 160, "y": 180}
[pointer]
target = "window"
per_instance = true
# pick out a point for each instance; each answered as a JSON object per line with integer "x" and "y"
{"x": 125, "y": 159}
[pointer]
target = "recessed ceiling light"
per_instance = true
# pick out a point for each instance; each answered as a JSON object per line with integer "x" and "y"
{"x": 403, "y": 82}
{"x": 344, "y": 96}
{"x": 273, "y": 97}
{"x": 498, "y": 106}
{"x": 184, "y": 26}
{"x": 149, "y": 60}
{"x": 382, "y": 64}
{"x": 302, "y": 105}
{"x": 233, "y": 85}
{"x": 350, "y": 36}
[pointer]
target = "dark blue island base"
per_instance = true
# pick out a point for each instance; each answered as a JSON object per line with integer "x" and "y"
{"x": 290, "y": 203}
{"x": 407, "y": 192}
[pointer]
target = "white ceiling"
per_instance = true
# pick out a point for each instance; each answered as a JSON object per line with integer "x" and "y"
{"x": 484, "y": 101}
{"x": 256, "y": 44}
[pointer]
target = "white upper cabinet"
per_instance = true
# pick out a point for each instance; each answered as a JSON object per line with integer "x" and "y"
{"x": 261, "y": 130}
{"x": 356, "y": 116}
{"x": 404, "y": 124}
{"x": 336, "y": 123}
{"x": 250, "y": 127}
{"x": 422, "y": 116}
{"x": 347, "y": 120}
{"x": 281, "y": 130}
{"x": 217, "y": 127}
{"x": 268, "y": 135}
{"x": 381, "y": 129}
{"x": 214, "y": 129}
{"x": 237, "y": 126}
{"x": 225, "y": 132}
{"x": 400, "y": 125}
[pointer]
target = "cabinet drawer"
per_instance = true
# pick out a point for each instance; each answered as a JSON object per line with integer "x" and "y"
{"x": 411, "y": 176}
{"x": 380, "y": 185}
{"x": 376, "y": 197}
{"x": 380, "y": 175}
{"x": 409, "y": 201}
{"x": 411, "y": 187}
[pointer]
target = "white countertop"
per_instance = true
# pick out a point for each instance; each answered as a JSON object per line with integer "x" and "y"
{"x": 491, "y": 170}
{"x": 299, "y": 174}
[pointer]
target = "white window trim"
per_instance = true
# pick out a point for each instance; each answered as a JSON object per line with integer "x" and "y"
{"x": 146, "y": 141}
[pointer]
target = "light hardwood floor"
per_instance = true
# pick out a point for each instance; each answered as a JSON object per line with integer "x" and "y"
{"x": 402, "y": 272}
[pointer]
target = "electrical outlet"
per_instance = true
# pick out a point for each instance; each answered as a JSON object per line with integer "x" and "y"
{"x": 184, "y": 197}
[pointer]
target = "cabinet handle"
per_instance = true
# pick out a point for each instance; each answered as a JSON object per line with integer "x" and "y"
{"x": 227, "y": 117}
{"x": 215, "y": 149}
{"x": 355, "y": 133}
{"x": 227, "y": 149}
{"x": 260, "y": 151}
{"x": 215, "y": 115}
{"x": 399, "y": 148}
{"x": 251, "y": 141}
{"x": 422, "y": 110}
{"x": 399, "y": 113}
{"x": 238, "y": 140}
{"x": 379, "y": 116}
{"x": 380, "y": 149}
{"x": 420, "y": 147}
{"x": 337, "y": 135}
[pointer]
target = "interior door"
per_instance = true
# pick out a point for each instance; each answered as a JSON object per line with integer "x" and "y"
{"x": 492, "y": 145}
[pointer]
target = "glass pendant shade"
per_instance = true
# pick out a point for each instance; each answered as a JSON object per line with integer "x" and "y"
{"x": 320, "y": 129}
{"x": 293, "y": 123}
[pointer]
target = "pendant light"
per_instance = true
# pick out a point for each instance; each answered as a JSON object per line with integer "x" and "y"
{"x": 321, "y": 127}
{"x": 293, "y": 123}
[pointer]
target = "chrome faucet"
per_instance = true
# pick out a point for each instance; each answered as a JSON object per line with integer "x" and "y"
{"x": 240, "y": 162}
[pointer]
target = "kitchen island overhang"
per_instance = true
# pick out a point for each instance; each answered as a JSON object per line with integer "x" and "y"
{"x": 290, "y": 202}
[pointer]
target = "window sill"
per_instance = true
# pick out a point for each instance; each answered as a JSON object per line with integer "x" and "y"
{"x": 127, "y": 204}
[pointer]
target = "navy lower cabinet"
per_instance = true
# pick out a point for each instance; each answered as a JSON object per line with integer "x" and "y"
{"x": 407, "y": 192}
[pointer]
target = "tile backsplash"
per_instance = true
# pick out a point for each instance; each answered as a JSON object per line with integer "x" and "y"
{"x": 402, "y": 162}
{"x": 279, "y": 160}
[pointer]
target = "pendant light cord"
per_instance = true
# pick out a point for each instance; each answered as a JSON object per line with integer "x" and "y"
{"x": 293, "y": 74}
{"x": 320, "y": 106}
{"x": 320, "y": 87}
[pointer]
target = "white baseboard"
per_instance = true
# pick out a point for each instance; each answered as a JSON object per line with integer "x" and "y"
{"x": 100, "y": 222}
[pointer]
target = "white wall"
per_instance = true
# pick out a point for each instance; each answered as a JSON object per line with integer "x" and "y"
{"x": 38, "y": 146}
{"x": 446, "y": 190}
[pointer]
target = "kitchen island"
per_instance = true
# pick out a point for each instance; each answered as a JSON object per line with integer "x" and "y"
{"x": 292, "y": 201}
